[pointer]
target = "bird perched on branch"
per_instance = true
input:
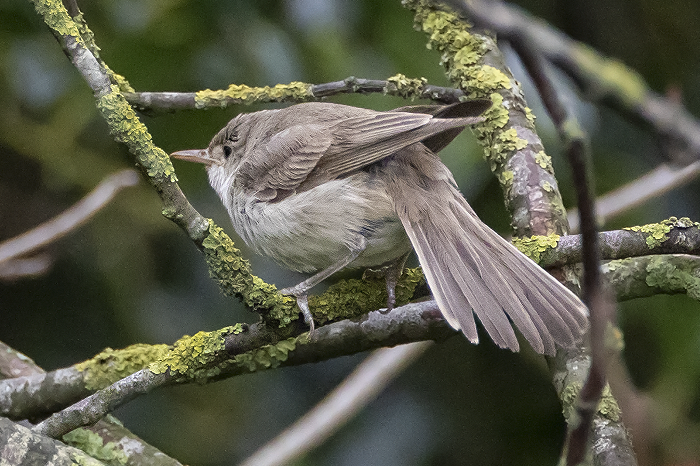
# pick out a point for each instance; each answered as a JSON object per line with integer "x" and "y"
{"x": 319, "y": 187}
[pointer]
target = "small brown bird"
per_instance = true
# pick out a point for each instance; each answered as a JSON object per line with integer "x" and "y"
{"x": 319, "y": 187}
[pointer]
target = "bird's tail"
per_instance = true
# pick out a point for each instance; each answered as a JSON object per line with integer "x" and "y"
{"x": 472, "y": 270}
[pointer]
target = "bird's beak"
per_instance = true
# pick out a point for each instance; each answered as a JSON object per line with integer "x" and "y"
{"x": 195, "y": 155}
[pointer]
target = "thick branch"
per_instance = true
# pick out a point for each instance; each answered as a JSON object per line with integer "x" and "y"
{"x": 600, "y": 78}
{"x": 256, "y": 348}
{"x": 18, "y": 443}
{"x": 672, "y": 236}
{"x": 211, "y": 356}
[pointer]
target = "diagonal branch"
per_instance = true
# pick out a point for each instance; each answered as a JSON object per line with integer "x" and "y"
{"x": 226, "y": 265}
{"x": 607, "y": 81}
{"x": 600, "y": 304}
{"x": 339, "y": 406}
{"x": 72, "y": 218}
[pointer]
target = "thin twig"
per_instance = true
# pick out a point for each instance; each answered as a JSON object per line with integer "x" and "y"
{"x": 93, "y": 408}
{"x": 356, "y": 391}
{"x": 647, "y": 187}
{"x": 413, "y": 322}
{"x": 599, "y": 303}
{"x": 34, "y": 266}
{"x": 70, "y": 219}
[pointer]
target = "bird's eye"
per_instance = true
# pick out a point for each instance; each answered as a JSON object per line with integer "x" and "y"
{"x": 227, "y": 151}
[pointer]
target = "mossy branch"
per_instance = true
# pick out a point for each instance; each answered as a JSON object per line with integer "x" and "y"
{"x": 511, "y": 145}
{"x": 671, "y": 236}
{"x": 126, "y": 127}
{"x": 236, "y": 94}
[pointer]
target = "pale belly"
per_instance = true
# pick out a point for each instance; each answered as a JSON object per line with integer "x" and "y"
{"x": 313, "y": 230}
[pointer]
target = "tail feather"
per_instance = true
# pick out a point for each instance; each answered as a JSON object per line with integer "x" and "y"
{"x": 472, "y": 270}
{"x": 444, "y": 288}
{"x": 469, "y": 276}
{"x": 514, "y": 276}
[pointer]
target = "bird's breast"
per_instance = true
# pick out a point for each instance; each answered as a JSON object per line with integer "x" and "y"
{"x": 314, "y": 229}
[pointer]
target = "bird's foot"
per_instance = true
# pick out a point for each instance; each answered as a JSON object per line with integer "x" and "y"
{"x": 303, "y": 305}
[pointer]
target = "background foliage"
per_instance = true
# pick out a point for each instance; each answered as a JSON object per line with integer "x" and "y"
{"x": 132, "y": 276}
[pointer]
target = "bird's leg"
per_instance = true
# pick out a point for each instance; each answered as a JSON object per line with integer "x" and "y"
{"x": 300, "y": 291}
{"x": 391, "y": 275}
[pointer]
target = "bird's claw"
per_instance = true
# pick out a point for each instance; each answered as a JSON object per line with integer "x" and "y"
{"x": 303, "y": 305}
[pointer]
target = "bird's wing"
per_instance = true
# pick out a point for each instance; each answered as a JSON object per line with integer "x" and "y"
{"x": 276, "y": 169}
{"x": 303, "y": 156}
{"x": 364, "y": 140}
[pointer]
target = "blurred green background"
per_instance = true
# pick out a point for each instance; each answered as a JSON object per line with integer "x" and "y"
{"x": 132, "y": 276}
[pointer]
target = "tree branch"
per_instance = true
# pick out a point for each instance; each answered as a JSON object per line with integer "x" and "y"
{"x": 72, "y": 218}
{"x": 600, "y": 79}
{"x": 339, "y": 406}
{"x": 622, "y": 89}
{"x": 236, "y": 94}
{"x": 207, "y": 357}
{"x": 672, "y": 236}
{"x": 107, "y": 440}
{"x": 256, "y": 347}
{"x": 18, "y": 443}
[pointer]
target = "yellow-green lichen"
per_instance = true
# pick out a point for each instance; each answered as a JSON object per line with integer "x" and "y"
{"x": 611, "y": 76}
{"x": 407, "y": 87}
{"x": 655, "y": 233}
{"x": 56, "y": 17}
{"x": 530, "y": 116}
{"x": 266, "y": 357}
{"x": 509, "y": 140}
{"x": 128, "y": 129}
{"x": 351, "y": 298}
{"x": 112, "y": 365}
{"x": 78, "y": 458}
{"x": 568, "y": 399}
{"x": 544, "y": 161}
{"x": 683, "y": 222}
{"x": 505, "y": 178}
{"x": 534, "y": 246}
{"x": 502, "y": 144}
{"x": 192, "y": 356}
{"x": 94, "y": 445}
{"x": 496, "y": 116}
{"x": 89, "y": 39}
{"x": 237, "y": 329}
{"x": 488, "y": 79}
{"x": 234, "y": 276}
{"x": 462, "y": 52}
{"x": 673, "y": 276}
{"x": 607, "y": 406}
{"x": 242, "y": 94}
{"x": 614, "y": 338}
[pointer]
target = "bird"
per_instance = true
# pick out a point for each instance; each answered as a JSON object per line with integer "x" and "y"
{"x": 320, "y": 186}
